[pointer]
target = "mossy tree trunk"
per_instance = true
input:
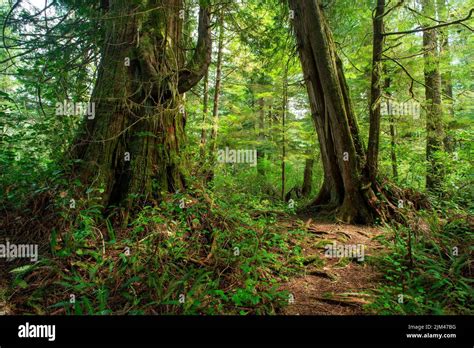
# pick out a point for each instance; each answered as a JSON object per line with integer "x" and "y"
{"x": 205, "y": 110}
{"x": 434, "y": 113}
{"x": 375, "y": 91}
{"x": 130, "y": 152}
{"x": 446, "y": 75}
{"x": 346, "y": 190}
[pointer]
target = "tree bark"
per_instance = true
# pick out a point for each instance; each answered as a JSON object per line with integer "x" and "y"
{"x": 205, "y": 107}
{"x": 261, "y": 136}
{"x": 283, "y": 132}
{"x": 130, "y": 152}
{"x": 346, "y": 188}
{"x": 308, "y": 175}
{"x": 446, "y": 76}
{"x": 393, "y": 134}
{"x": 434, "y": 113}
{"x": 375, "y": 91}
{"x": 217, "y": 89}
{"x": 215, "y": 108}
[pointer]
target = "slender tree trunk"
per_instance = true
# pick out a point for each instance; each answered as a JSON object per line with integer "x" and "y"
{"x": 215, "y": 107}
{"x": 270, "y": 124}
{"x": 393, "y": 135}
{"x": 217, "y": 89}
{"x": 261, "y": 136}
{"x": 375, "y": 91}
{"x": 434, "y": 114}
{"x": 393, "y": 148}
{"x": 446, "y": 76}
{"x": 130, "y": 152}
{"x": 205, "y": 107}
{"x": 283, "y": 132}
{"x": 447, "y": 89}
{"x": 308, "y": 174}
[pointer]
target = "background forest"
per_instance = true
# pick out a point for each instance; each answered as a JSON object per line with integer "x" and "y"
{"x": 189, "y": 157}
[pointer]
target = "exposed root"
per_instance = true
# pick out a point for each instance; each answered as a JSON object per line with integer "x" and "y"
{"x": 380, "y": 201}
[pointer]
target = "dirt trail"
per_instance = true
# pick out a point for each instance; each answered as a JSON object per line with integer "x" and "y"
{"x": 328, "y": 285}
{"x": 332, "y": 285}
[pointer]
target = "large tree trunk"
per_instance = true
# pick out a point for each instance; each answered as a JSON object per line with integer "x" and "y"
{"x": 130, "y": 151}
{"x": 345, "y": 188}
{"x": 434, "y": 112}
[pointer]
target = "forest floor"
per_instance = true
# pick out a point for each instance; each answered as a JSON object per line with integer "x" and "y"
{"x": 4, "y": 307}
{"x": 325, "y": 285}
{"x": 332, "y": 286}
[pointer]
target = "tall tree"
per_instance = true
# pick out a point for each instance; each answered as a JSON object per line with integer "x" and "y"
{"x": 446, "y": 75}
{"x": 217, "y": 87}
{"x": 205, "y": 110}
{"x": 434, "y": 113}
{"x": 393, "y": 139}
{"x": 261, "y": 135}
{"x": 346, "y": 188}
{"x": 284, "y": 109}
{"x": 131, "y": 149}
{"x": 375, "y": 91}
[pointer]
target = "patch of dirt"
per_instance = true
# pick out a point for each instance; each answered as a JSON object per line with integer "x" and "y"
{"x": 4, "y": 307}
{"x": 333, "y": 285}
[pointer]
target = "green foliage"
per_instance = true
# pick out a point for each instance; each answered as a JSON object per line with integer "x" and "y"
{"x": 224, "y": 250}
{"x": 427, "y": 271}
{"x": 161, "y": 259}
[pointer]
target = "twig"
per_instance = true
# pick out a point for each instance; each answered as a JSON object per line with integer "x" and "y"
{"x": 459, "y": 21}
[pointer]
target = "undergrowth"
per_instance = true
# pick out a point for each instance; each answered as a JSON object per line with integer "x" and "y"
{"x": 192, "y": 254}
{"x": 428, "y": 267}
